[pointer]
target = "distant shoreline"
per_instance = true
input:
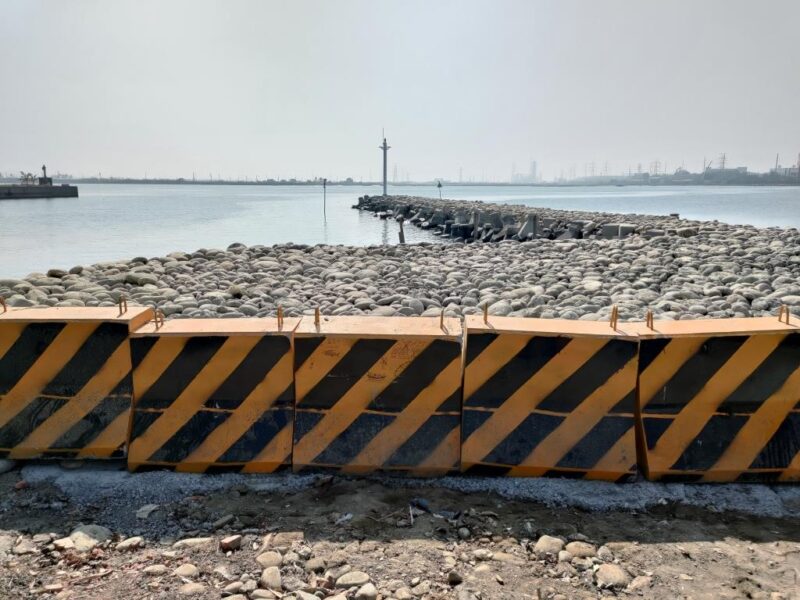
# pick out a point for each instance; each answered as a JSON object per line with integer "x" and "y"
{"x": 654, "y": 184}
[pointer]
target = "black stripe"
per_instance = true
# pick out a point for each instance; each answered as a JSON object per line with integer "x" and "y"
{"x": 417, "y": 376}
{"x": 181, "y": 372}
{"x": 511, "y": 376}
{"x": 88, "y": 360}
{"x": 258, "y": 437}
{"x": 424, "y": 441}
{"x": 346, "y": 373}
{"x": 767, "y": 379}
{"x": 30, "y": 344}
{"x": 124, "y": 387}
{"x": 523, "y": 440}
{"x": 141, "y": 422}
{"x": 649, "y": 350}
{"x": 304, "y": 422}
{"x": 471, "y": 420}
{"x": 596, "y": 371}
{"x": 487, "y": 470}
{"x": 286, "y": 397}
{"x": 654, "y": 429}
{"x": 477, "y": 343}
{"x": 189, "y": 437}
{"x": 594, "y": 445}
{"x": 351, "y": 441}
{"x": 303, "y": 348}
{"x": 140, "y": 347}
{"x": 782, "y": 447}
{"x": 27, "y": 420}
{"x": 453, "y": 403}
{"x": 250, "y": 372}
{"x": 92, "y": 424}
{"x": 706, "y": 448}
{"x": 693, "y": 375}
{"x": 627, "y": 405}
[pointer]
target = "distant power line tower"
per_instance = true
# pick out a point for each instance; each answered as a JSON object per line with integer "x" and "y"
{"x": 722, "y": 160}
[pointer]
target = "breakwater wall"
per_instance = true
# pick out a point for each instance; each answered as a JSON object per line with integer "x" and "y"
{"x": 711, "y": 400}
{"x": 473, "y": 221}
{"x": 17, "y": 191}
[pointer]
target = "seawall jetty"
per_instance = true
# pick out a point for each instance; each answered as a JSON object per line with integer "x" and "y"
{"x": 473, "y": 221}
{"x": 720, "y": 271}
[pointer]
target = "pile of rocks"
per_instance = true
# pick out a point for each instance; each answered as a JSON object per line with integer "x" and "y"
{"x": 472, "y": 221}
{"x": 722, "y": 271}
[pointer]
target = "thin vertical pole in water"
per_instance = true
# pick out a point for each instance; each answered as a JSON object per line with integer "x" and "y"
{"x": 385, "y": 147}
{"x": 324, "y": 199}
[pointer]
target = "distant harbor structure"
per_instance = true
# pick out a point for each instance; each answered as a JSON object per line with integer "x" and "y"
{"x": 30, "y": 187}
{"x": 385, "y": 147}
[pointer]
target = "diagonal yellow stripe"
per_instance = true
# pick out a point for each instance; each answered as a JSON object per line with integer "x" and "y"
{"x": 9, "y": 334}
{"x": 519, "y": 405}
{"x": 581, "y": 420}
{"x": 619, "y": 459}
{"x": 411, "y": 418}
{"x": 319, "y": 363}
{"x": 356, "y": 399}
{"x": 695, "y": 414}
{"x": 95, "y": 391}
{"x": 756, "y": 432}
{"x": 242, "y": 418}
{"x": 496, "y": 355}
{"x": 792, "y": 472}
{"x": 192, "y": 398}
{"x": 275, "y": 454}
{"x": 155, "y": 362}
{"x": 47, "y": 366}
{"x": 665, "y": 365}
{"x": 111, "y": 439}
{"x": 444, "y": 458}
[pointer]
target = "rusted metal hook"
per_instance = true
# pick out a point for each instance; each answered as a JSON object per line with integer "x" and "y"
{"x": 614, "y": 317}
{"x": 784, "y": 310}
{"x": 280, "y": 317}
{"x": 316, "y": 317}
{"x": 123, "y": 304}
{"x": 3, "y": 304}
{"x": 648, "y": 319}
{"x": 158, "y": 318}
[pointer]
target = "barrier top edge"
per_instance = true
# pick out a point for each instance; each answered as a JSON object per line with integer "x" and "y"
{"x": 380, "y": 327}
{"x": 546, "y": 327}
{"x": 218, "y": 327}
{"x": 714, "y": 327}
{"x": 134, "y": 315}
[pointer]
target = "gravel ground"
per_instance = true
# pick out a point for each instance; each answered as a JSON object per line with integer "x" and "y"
{"x": 95, "y": 533}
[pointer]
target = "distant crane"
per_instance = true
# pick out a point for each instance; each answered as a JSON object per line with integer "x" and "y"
{"x": 722, "y": 160}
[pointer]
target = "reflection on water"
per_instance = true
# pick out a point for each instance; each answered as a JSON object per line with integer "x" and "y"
{"x": 111, "y": 222}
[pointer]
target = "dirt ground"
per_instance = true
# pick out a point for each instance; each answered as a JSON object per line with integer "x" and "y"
{"x": 348, "y": 538}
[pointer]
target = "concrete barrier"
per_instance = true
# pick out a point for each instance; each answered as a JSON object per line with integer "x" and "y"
{"x": 65, "y": 381}
{"x": 720, "y": 400}
{"x": 213, "y": 394}
{"x": 548, "y": 397}
{"x": 378, "y": 393}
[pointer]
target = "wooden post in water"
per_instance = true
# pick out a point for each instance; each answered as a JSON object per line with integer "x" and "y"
{"x": 324, "y": 199}
{"x": 402, "y": 233}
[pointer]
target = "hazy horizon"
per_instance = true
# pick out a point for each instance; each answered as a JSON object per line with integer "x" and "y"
{"x": 463, "y": 89}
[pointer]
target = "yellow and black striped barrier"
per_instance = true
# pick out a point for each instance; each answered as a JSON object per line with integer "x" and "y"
{"x": 548, "y": 397}
{"x": 377, "y": 393}
{"x": 213, "y": 394}
{"x": 65, "y": 381}
{"x": 720, "y": 400}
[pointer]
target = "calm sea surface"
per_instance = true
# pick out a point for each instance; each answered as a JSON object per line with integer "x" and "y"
{"x": 115, "y": 221}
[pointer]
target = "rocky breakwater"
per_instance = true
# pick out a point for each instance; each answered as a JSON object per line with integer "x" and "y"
{"x": 722, "y": 271}
{"x": 472, "y": 221}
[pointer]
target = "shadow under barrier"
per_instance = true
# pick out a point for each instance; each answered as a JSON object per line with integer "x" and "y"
{"x": 65, "y": 381}
{"x": 213, "y": 394}
{"x": 549, "y": 397}
{"x": 378, "y": 393}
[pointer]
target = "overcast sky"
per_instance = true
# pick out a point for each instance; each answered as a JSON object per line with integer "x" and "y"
{"x": 303, "y": 88}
